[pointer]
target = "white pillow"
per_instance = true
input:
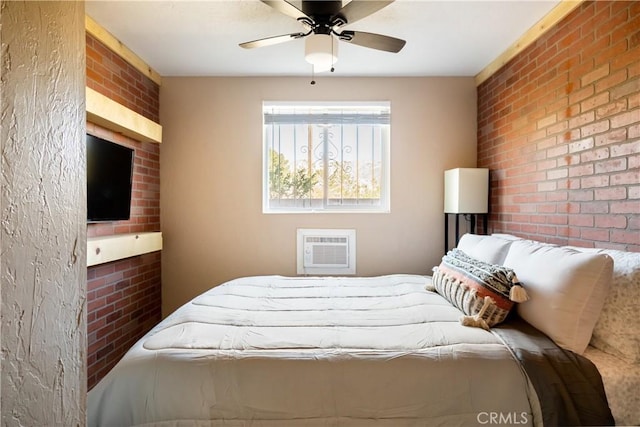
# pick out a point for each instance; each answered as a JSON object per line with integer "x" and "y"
{"x": 489, "y": 249}
{"x": 567, "y": 289}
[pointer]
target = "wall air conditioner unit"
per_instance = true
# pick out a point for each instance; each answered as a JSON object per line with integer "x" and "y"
{"x": 326, "y": 251}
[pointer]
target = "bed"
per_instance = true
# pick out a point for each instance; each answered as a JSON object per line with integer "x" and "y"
{"x": 377, "y": 351}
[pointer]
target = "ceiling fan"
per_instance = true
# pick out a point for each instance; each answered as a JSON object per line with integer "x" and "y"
{"x": 323, "y": 21}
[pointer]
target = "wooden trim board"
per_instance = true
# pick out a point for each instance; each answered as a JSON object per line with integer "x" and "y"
{"x": 558, "y": 13}
{"x": 105, "y": 112}
{"x": 119, "y": 246}
{"x": 109, "y": 40}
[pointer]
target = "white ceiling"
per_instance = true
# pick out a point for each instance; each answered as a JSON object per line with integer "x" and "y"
{"x": 200, "y": 38}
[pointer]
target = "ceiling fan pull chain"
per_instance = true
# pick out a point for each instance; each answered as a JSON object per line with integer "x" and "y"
{"x": 313, "y": 75}
{"x": 332, "y": 56}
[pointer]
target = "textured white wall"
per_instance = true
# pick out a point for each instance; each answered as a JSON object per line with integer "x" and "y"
{"x": 43, "y": 225}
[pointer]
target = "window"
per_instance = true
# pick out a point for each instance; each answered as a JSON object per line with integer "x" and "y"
{"x": 325, "y": 157}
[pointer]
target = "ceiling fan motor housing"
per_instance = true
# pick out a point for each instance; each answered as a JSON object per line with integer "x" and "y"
{"x": 321, "y": 9}
{"x": 324, "y": 16}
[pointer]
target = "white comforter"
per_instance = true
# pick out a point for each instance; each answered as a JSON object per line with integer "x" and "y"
{"x": 275, "y": 351}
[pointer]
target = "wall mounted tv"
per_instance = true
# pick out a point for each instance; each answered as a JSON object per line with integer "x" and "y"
{"x": 109, "y": 178}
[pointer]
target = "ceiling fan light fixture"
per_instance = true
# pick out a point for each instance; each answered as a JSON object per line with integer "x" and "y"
{"x": 321, "y": 50}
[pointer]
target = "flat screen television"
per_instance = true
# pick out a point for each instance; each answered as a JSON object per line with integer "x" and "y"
{"x": 109, "y": 179}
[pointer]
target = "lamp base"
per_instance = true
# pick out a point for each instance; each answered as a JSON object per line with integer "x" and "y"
{"x": 472, "y": 228}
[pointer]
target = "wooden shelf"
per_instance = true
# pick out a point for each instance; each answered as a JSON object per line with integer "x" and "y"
{"x": 106, "y": 112}
{"x": 119, "y": 246}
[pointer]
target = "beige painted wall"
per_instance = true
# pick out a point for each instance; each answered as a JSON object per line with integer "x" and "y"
{"x": 43, "y": 233}
{"x": 211, "y": 177}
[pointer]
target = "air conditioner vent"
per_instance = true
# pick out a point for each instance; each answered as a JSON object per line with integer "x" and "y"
{"x": 326, "y": 251}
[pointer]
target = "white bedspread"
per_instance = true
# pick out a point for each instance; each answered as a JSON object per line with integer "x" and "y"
{"x": 274, "y": 351}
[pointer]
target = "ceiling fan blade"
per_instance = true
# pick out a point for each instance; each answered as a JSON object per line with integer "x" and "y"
{"x": 287, "y": 8}
{"x": 373, "y": 41}
{"x": 358, "y": 9}
{"x": 271, "y": 40}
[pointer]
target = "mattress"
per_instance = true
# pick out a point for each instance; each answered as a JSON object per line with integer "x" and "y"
{"x": 278, "y": 351}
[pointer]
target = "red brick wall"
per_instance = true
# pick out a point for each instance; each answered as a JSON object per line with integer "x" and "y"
{"x": 559, "y": 127}
{"x": 123, "y": 303}
{"x": 124, "y": 297}
{"x": 110, "y": 75}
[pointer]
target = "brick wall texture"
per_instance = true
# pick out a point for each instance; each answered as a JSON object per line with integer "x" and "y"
{"x": 559, "y": 128}
{"x": 124, "y": 297}
{"x": 115, "y": 78}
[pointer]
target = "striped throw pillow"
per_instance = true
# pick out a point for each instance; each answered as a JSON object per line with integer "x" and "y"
{"x": 484, "y": 292}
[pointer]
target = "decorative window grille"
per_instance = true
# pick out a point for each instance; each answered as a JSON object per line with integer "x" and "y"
{"x": 325, "y": 157}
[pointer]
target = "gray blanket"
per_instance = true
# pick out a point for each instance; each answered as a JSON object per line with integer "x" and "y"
{"x": 568, "y": 385}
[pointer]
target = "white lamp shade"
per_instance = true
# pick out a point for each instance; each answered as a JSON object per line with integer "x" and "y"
{"x": 466, "y": 190}
{"x": 321, "y": 50}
